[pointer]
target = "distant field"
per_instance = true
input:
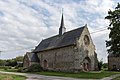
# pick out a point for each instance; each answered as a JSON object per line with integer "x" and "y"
{"x": 11, "y": 77}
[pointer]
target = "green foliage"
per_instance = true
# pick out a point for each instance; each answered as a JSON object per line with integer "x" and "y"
{"x": 105, "y": 65}
{"x": 117, "y": 78}
{"x": 19, "y": 59}
{"x": 12, "y": 62}
{"x": 18, "y": 66}
{"x": 2, "y": 62}
{"x": 35, "y": 68}
{"x": 5, "y": 67}
{"x": 114, "y": 43}
{"x": 21, "y": 69}
{"x": 32, "y": 68}
{"x": 100, "y": 64}
{"x": 11, "y": 77}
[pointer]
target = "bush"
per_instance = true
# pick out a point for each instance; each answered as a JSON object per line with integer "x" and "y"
{"x": 100, "y": 64}
{"x": 35, "y": 68}
{"x": 5, "y": 67}
{"x": 18, "y": 66}
{"x": 21, "y": 69}
{"x": 105, "y": 65}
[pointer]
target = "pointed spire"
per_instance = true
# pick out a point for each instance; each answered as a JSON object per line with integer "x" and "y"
{"x": 62, "y": 28}
{"x": 62, "y": 21}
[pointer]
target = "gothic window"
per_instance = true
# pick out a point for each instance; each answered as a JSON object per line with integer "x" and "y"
{"x": 86, "y": 40}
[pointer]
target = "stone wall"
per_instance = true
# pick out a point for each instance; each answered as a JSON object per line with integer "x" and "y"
{"x": 25, "y": 61}
{"x": 113, "y": 62}
{"x": 86, "y": 51}
{"x": 61, "y": 59}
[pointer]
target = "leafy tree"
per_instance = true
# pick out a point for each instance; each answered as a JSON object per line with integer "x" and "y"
{"x": 100, "y": 64}
{"x": 11, "y": 62}
{"x": 19, "y": 59}
{"x": 105, "y": 65}
{"x": 2, "y": 62}
{"x": 114, "y": 43}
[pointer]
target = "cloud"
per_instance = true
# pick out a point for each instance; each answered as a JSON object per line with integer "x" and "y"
{"x": 24, "y": 23}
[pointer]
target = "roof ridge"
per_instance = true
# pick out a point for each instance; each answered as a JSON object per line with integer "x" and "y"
{"x": 64, "y": 33}
{"x": 75, "y": 29}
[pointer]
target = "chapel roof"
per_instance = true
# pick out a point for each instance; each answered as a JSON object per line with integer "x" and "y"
{"x": 32, "y": 57}
{"x": 58, "y": 41}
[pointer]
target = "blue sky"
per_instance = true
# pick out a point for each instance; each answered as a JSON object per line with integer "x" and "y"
{"x": 24, "y": 23}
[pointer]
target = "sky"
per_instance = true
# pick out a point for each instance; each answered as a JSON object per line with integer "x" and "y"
{"x": 24, "y": 23}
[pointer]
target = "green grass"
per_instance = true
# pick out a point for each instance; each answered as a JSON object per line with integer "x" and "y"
{"x": 11, "y": 77}
{"x": 117, "y": 78}
{"x": 84, "y": 75}
{"x": 9, "y": 70}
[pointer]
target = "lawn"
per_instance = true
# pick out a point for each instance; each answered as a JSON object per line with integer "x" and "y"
{"x": 11, "y": 77}
{"x": 117, "y": 78}
{"x": 84, "y": 75}
{"x": 9, "y": 70}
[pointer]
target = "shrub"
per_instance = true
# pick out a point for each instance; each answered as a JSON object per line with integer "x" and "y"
{"x": 18, "y": 66}
{"x": 35, "y": 68}
{"x": 100, "y": 64}
{"x": 5, "y": 67}
{"x": 20, "y": 69}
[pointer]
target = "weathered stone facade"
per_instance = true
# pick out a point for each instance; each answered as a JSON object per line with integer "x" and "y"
{"x": 58, "y": 59}
{"x": 86, "y": 51}
{"x": 113, "y": 63}
{"x": 71, "y": 58}
{"x": 30, "y": 59}
{"x": 26, "y": 62}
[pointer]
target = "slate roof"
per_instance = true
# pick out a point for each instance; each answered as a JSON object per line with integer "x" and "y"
{"x": 32, "y": 57}
{"x": 68, "y": 38}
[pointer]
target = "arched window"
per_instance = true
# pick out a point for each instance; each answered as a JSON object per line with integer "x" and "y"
{"x": 86, "y": 40}
{"x": 45, "y": 64}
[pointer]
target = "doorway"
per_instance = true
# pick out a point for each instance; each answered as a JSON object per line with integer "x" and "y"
{"x": 45, "y": 64}
{"x": 86, "y": 64}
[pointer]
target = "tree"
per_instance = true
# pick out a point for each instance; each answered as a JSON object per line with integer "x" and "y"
{"x": 14, "y": 62}
{"x": 105, "y": 65}
{"x": 100, "y": 64}
{"x": 2, "y": 62}
{"x": 113, "y": 45}
{"x": 11, "y": 62}
{"x": 19, "y": 59}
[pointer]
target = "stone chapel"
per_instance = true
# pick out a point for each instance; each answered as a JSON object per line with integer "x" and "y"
{"x": 67, "y": 51}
